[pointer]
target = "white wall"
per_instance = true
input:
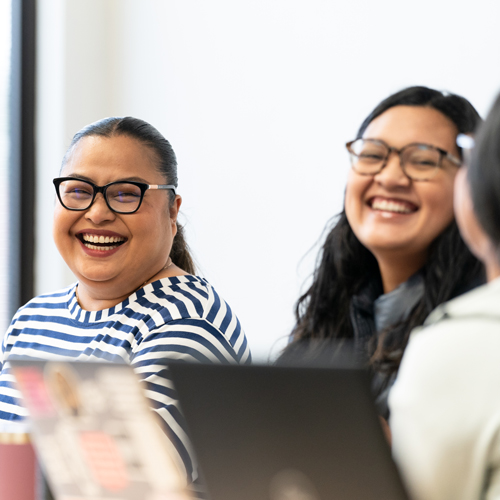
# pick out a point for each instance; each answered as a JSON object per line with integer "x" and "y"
{"x": 257, "y": 98}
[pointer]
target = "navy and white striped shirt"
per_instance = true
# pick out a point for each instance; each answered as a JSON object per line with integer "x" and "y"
{"x": 179, "y": 318}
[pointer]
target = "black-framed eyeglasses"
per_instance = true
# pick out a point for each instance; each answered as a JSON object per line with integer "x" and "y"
{"x": 419, "y": 162}
{"x": 121, "y": 197}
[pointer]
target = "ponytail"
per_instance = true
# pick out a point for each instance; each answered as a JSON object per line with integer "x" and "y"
{"x": 180, "y": 252}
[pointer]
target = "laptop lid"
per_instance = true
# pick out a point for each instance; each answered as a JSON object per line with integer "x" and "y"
{"x": 286, "y": 433}
{"x": 94, "y": 433}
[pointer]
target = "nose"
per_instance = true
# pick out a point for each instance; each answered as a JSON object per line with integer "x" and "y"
{"x": 99, "y": 212}
{"x": 392, "y": 175}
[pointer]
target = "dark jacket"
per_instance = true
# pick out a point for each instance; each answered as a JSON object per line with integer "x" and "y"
{"x": 362, "y": 315}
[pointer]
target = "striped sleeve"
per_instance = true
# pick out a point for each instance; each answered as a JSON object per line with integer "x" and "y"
{"x": 189, "y": 340}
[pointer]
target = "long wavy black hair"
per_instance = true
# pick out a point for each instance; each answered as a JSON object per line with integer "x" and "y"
{"x": 345, "y": 266}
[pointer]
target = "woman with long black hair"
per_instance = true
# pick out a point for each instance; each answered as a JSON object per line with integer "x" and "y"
{"x": 394, "y": 253}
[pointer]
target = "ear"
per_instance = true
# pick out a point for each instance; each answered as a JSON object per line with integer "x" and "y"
{"x": 174, "y": 213}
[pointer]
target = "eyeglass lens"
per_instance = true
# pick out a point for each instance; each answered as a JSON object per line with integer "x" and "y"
{"x": 419, "y": 161}
{"x": 121, "y": 196}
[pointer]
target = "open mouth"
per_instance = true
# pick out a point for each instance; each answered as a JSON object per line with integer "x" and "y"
{"x": 100, "y": 242}
{"x": 392, "y": 205}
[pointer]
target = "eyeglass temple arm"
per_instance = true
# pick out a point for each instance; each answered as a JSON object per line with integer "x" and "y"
{"x": 453, "y": 159}
{"x": 163, "y": 186}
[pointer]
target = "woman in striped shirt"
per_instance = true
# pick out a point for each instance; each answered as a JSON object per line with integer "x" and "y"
{"x": 137, "y": 297}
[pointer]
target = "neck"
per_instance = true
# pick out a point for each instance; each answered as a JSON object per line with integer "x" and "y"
{"x": 98, "y": 296}
{"x": 395, "y": 270}
{"x": 92, "y": 299}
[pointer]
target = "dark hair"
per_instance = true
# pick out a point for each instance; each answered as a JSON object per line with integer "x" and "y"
{"x": 484, "y": 176}
{"x": 345, "y": 266}
{"x": 164, "y": 158}
{"x": 458, "y": 109}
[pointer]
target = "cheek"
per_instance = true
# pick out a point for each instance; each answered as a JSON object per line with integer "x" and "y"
{"x": 157, "y": 228}
{"x": 60, "y": 222}
{"x": 354, "y": 203}
{"x": 440, "y": 206}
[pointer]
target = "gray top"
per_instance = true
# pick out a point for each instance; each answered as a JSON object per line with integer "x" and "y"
{"x": 393, "y": 307}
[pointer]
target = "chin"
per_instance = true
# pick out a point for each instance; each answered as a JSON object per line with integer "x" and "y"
{"x": 96, "y": 276}
{"x": 394, "y": 248}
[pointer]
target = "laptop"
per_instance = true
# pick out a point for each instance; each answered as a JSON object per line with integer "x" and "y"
{"x": 94, "y": 433}
{"x": 286, "y": 433}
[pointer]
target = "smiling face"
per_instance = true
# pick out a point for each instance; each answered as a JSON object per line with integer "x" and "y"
{"x": 394, "y": 217}
{"x": 113, "y": 254}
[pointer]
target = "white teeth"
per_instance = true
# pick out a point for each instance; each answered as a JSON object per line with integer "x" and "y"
{"x": 101, "y": 249}
{"x": 102, "y": 240}
{"x": 391, "y": 206}
{"x": 93, "y": 238}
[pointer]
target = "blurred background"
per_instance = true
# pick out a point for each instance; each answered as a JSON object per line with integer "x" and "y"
{"x": 257, "y": 97}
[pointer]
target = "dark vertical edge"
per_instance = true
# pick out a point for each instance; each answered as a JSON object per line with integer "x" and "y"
{"x": 27, "y": 156}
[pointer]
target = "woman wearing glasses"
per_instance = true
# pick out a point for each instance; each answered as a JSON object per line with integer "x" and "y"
{"x": 445, "y": 409}
{"x": 395, "y": 252}
{"x": 137, "y": 298}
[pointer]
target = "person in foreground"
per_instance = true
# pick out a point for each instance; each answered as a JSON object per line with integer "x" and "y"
{"x": 394, "y": 252}
{"x": 137, "y": 298}
{"x": 445, "y": 405}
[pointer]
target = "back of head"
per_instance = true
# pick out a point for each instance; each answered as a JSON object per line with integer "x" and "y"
{"x": 458, "y": 109}
{"x": 484, "y": 176}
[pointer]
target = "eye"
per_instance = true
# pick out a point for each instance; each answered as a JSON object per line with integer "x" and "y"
{"x": 126, "y": 196}
{"x": 124, "y": 193}
{"x": 76, "y": 189}
{"x": 371, "y": 153}
{"x": 421, "y": 157}
{"x": 80, "y": 191}
{"x": 370, "y": 156}
{"x": 424, "y": 160}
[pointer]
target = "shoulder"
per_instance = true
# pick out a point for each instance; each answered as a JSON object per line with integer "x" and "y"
{"x": 189, "y": 308}
{"x": 49, "y": 309}
{"x": 481, "y": 302}
{"x": 61, "y": 295}
{"x": 49, "y": 302}
{"x": 455, "y": 354}
{"x": 183, "y": 296}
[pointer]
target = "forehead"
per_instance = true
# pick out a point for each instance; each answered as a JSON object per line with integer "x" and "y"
{"x": 401, "y": 125}
{"x": 105, "y": 159}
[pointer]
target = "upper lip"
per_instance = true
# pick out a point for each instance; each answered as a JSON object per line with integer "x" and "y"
{"x": 100, "y": 232}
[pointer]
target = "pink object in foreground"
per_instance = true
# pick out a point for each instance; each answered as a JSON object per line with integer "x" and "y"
{"x": 17, "y": 467}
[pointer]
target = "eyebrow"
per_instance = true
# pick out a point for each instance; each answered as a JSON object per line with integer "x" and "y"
{"x": 125, "y": 179}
